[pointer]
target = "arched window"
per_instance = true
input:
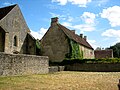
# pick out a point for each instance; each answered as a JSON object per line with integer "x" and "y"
{"x": 15, "y": 40}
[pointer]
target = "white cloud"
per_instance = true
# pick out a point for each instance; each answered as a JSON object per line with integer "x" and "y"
{"x": 61, "y": 2}
{"x": 80, "y": 3}
{"x": 63, "y": 17}
{"x": 82, "y": 27}
{"x": 113, "y": 15}
{"x": 102, "y": 2}
{"x": 39, "y": 34}
{"x": 66, "y": 17}
{"x": 7, "y": 4}
{"x": 93, "y": 43}
{"x": 70, "y": 19}
{"x": 67, "y": 24}
{"x": 111, "y": 33}
{"x": 54, "y": 14}
{"x": 88, "y": 17}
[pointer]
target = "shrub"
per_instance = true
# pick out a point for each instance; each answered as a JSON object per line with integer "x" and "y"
{"x": 103, "y": 60}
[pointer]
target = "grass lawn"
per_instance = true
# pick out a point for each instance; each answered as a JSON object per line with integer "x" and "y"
{"x": 62, "y": 81}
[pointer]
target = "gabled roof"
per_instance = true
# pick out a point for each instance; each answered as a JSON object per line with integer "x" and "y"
{"x": 74, "y": 36}
{"x": 5, "y": 10}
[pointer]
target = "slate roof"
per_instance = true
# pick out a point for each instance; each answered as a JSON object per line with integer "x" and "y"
{"x": 74, "y": 36}
{"x": 5, "y": 10}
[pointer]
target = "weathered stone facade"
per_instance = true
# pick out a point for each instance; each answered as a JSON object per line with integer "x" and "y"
{"x": 14, "y": 32}
{"x": 56, "y": 43}
{"x": 16, "y": 64}
{"x": 87, "y": 53}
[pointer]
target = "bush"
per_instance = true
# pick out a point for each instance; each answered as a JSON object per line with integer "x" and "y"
{"x": 111, "y": 60}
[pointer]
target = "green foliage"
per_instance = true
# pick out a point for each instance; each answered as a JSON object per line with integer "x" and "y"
{"x": 38, "y": 44}
{"x": 75, "y": 52}
{"x": 116, "y": 50}
{"x": 38, "y": 47}
{"x": 111, "y": 60}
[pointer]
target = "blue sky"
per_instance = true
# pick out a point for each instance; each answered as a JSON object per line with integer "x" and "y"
{"x": 99, "y": 20}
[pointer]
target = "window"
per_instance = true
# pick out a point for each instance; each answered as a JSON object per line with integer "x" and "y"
{"x": 15, "y": 40}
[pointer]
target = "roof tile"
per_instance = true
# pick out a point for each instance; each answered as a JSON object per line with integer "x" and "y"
{"x": 74, "y": 36}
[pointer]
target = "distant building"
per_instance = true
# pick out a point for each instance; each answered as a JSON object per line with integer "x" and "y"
{"x": 15, "y": 35}
{"x": 59, "y": 43}
{"x": 103, "y": 53}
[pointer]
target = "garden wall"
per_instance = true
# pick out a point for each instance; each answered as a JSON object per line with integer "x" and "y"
{"x": 94, "y": 67}
{"x": 53, "y": 69}
{"x": 23, "y": 64}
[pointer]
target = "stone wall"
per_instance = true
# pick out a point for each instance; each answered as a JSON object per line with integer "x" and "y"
{"x": 94, "y": 67}
{"x": 23, "y": 64}
{"x": 53, "y": 69}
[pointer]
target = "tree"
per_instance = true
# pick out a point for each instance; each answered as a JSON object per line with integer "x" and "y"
{"x": 116, "y": 50}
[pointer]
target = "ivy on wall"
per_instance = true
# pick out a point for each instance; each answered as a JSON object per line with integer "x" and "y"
{"x": 38, "y": 44}
{"x": 75, "y": 52}
{"x": 38, "y": 47}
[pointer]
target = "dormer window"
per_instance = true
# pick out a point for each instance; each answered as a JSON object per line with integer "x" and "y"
{"x": 15, "y": 40}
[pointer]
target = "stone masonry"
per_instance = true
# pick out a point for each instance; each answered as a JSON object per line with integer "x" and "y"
{"x": 11, "y": 64}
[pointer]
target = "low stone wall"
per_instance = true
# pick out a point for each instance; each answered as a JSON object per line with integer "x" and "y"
{"x": 23, "y": 64}
{"x": 53, "y": 69}
{"x": 94, "y": 67}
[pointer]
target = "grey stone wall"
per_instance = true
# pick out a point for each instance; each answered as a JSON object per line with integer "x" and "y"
{"x": 22, "y": 64}
{"x": 53, "y": 69}
{"x": 94, "y": 67}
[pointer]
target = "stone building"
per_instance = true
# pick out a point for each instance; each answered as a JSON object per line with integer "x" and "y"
{"x": 103, "y": 53}
{"x": 60, "y": 43}
{"x": 15, "y": 35}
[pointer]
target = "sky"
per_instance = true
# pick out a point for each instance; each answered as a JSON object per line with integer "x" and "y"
{"x": 99, "y": 20}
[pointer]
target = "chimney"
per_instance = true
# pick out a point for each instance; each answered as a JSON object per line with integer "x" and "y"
{"x": 81, "y": 35}
{"x": 85, "y": 37}
{"x": 73, "y": 31}
{"x": 54, "y": 20}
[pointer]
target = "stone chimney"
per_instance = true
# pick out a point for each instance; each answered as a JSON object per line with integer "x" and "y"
{"x": 85, "y": 37}
{"x": 81, "y": 35}
{"x": 73, "y": 31}
{"x": 54, "y": 20}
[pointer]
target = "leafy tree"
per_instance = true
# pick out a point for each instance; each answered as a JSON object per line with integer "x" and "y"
{"x": 116, "y": 50}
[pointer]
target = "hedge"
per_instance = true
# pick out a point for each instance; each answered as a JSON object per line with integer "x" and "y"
{"x": 72, "y": 61}
{"x": 110, "y": 60}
